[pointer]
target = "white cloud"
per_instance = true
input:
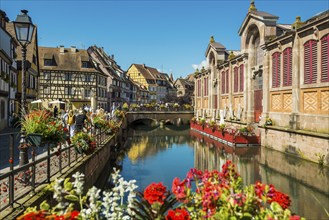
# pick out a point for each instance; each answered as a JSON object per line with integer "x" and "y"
{"x": 204, "y": 63}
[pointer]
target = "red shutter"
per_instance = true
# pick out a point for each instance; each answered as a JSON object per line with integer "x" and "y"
{"x": 324, "y": 59}
{"x": 310, "y": 62}
{"x": 276, "y": 70}
{"x": 287, "y": 67}
{"x": 241, "y": 78}
{"x": 236, "y": 79}
{"x": 223, "y": 82}
{"x": 227, "y": 81}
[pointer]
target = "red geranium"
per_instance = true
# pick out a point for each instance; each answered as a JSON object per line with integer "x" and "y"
{"x": 155, "y": 192}
{"x": 178, "y": 188}
{"x": 178, "y": 214}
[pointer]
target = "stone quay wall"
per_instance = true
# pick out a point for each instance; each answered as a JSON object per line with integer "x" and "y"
{"x": 310, "y": 146}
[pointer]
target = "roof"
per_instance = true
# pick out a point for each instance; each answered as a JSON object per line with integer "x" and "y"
{"x": 265, "y": 17}
{"x": 67, "y": 61}
{"x": 148, "y": 72}
{"x": 216, "y": 46}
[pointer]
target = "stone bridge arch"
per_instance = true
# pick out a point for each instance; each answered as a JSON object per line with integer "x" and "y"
{"x": 155, "y": 118}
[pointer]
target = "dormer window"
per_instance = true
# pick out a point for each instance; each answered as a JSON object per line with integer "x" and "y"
{"x": 48, "y": 62}
{"x": 85, "y": 64}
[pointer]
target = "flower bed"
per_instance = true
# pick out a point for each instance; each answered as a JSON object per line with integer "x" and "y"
{"x": 200, "y": 195}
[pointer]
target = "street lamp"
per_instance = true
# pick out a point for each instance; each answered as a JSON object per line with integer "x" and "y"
{"x": 24, "y": 30}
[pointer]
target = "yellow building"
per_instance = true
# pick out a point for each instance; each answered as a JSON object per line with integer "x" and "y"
{"x": 151, "y": 78}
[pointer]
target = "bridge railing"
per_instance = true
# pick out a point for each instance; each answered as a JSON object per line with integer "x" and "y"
{"x": 17, "y": 182}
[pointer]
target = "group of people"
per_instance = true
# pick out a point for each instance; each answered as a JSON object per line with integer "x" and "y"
{"x": 77, "y": 120}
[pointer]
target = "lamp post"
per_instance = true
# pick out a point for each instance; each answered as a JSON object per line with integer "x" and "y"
{"x": 24, "y": 30}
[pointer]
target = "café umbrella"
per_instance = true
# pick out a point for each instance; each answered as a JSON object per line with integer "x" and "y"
{"x": 56, "y": 102}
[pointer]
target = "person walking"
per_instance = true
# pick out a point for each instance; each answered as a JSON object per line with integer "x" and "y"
{"x": 71, "y": 122}
{"x": 55, "y": 111}
{"x": 80, "y": 121}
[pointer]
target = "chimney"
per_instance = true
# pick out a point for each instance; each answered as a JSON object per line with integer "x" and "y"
{"x": 144, "y": 66}
{"x": 112, "y": 56}
{"x": 61, "y": 49}
{"x": 73, "y": 49}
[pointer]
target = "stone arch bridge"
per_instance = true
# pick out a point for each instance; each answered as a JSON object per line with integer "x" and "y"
{"x": 157, "y": 117}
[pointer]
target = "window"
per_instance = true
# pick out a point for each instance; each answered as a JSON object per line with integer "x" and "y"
{"x": 34, "y": 59}
{"x": 48, "y": 62}
{"x": 2, "y": 109}
{"x": 68, "y": 91}
{"x": 85, "y": 64}
{"x": 47, "y": 75}
{"x": 324, "y": 58}
{"x": 46, "y": 90}
{"x": 87, "y": 93}
{"x": 287, "y": 66}
{"x": 227, "y": 82}
{"x": 276, "y": 61}
{"x": 67, "y": 77}
{"x": 199, "y": 87}
{"x": 205, "y": 86}
{"x": 88, "y": 78}
{"x": 236, "y": 79}
{"x": 223, "y": 82}
{"x": 241, "y": 78}
{"x": 310, "y": 62}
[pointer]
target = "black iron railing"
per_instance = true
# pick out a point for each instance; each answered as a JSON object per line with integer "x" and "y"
{"x": 17, "y": 182}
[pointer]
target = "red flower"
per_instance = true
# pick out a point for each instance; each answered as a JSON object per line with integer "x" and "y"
{"x": 178, "y": 189}
{"x": 294, "y": 217}
{"x": 178, "y": 214}
{"x": 155, "y": 192}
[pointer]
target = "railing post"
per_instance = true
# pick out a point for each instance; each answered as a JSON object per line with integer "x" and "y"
{"x": 69, "y": 155}
{"x": 11, "y": 177}
{"x": 60, "y": 158}
{"x": 48, "y": 163}
{"x": 33, "y": 169}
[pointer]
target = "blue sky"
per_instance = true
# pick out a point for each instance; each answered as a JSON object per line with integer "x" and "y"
{"x": 171, "y": 36}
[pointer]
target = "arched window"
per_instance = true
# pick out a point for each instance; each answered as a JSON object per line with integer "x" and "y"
{"x": 324, "y": 58}
{"x": 241, "y": 77}
{"x": 287, "y": 66}
{"x": 276, "y": 70}
{"x": 236, "y": 79}
{"x": 310, "y": 62}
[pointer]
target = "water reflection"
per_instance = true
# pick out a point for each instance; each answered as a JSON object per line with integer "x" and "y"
{"x": 160, "y": 154}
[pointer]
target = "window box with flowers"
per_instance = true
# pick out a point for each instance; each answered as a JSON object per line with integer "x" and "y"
{"x": 100, "y": 121}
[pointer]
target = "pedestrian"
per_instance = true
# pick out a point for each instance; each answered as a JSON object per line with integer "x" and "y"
{"x": 71, "y": 122}
{"x": 80, "y": 120}
{"x": 65, "y": 118}
{"x": 55, "y": 111}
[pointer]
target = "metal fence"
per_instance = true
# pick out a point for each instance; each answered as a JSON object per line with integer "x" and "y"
{"x": 19, "y": 181}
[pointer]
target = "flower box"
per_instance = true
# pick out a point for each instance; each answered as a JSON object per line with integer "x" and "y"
{"x": 34, "y": 139}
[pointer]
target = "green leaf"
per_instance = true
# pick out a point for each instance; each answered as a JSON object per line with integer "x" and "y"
{"x": 44, "y": 206}
{"x": 72, "y": 198}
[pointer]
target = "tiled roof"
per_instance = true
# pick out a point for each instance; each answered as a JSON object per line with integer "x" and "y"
{"x": 67, "y": 61}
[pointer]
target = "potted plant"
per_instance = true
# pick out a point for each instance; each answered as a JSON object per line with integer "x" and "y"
{"x": 212, "y": 125}
{"x": 269, "y": 122}
{"x": 42, "y": 129}
{"x": 83, "y": 143}
{"x": 125, "y": 107}
{"x": 100, "y": 121}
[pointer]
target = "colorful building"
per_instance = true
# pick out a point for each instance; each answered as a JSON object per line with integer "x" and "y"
{"x": 280, "y": 73}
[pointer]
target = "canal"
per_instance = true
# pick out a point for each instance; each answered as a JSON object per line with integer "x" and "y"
{"x": 163, "y": 153}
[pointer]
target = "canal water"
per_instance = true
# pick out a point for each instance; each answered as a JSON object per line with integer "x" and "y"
{"x": 160, "y": 154}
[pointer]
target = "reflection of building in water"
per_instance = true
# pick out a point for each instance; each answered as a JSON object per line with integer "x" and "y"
{"x": 211, "y": 155}
{"x": 145, "y": 143}
{"x": 311, "y": 187}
